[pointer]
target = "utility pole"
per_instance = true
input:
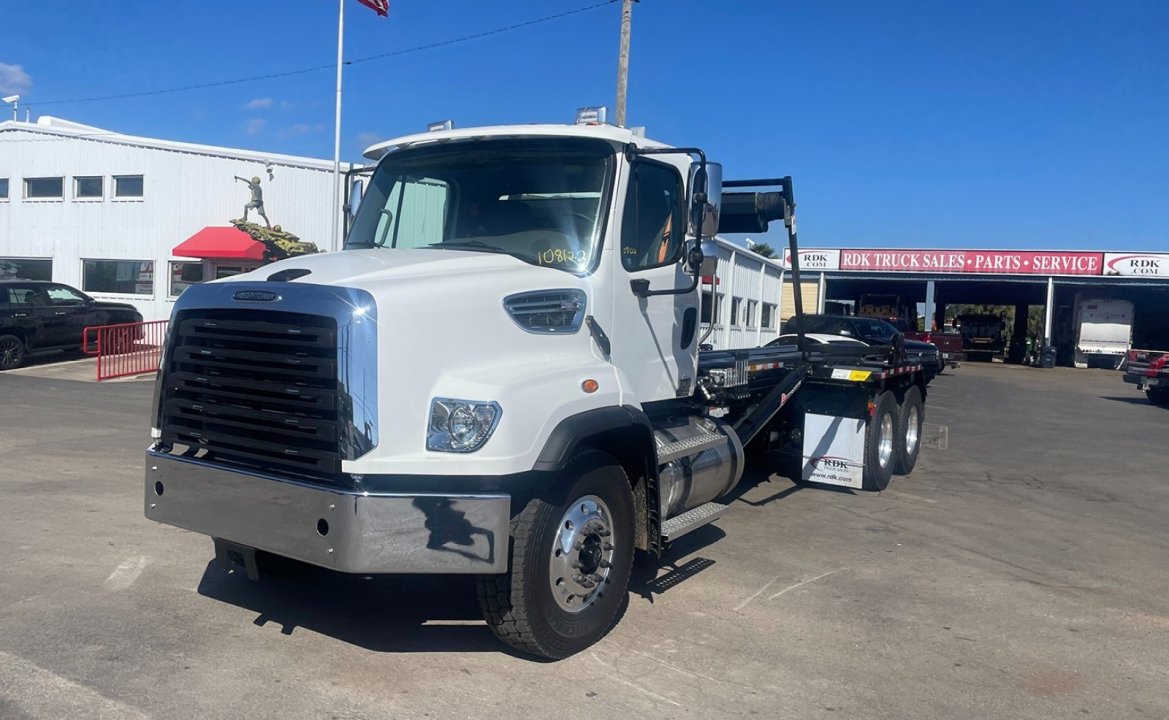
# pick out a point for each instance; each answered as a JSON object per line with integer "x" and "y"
{"x": 623, "y": 60}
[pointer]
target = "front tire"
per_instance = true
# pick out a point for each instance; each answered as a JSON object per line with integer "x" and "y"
{"x": 12, "y": 351}
{"x": 571, "y": 557}
{"x": 881, "y": 444}
{"x": 1158, "y": 396}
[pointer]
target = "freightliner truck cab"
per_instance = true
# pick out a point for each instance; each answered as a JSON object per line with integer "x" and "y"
{"x": 498, "y": 375}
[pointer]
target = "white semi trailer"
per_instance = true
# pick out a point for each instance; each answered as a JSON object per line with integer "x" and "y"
{"x": 1103, "y": 331}
{"x": 499, "y": 375}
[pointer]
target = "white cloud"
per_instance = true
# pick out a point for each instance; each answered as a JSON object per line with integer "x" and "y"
{"x": 258, "y": 103}
{"x": 300, "y": 129}
{"x": 255, "y": 126}
{"x": 365, "y": 139}
{"x": 13, "y": 79}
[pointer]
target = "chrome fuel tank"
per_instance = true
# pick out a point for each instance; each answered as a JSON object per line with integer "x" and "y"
{"x": 699, "y": 461}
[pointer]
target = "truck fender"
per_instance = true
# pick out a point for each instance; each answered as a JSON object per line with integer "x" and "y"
{"x": 626, "y": 433}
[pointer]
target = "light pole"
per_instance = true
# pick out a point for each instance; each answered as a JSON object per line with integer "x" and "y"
{"x": 14, "y": 101}
{"x": 623, "y": 60}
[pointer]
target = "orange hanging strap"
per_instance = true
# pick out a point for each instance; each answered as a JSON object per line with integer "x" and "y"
{"x": 663, "y": 249}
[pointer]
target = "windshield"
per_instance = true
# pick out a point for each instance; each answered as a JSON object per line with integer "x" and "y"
{"x": 538, "y": 199}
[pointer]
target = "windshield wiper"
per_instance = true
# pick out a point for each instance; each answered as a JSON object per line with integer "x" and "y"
{"x": 475, "y": 245}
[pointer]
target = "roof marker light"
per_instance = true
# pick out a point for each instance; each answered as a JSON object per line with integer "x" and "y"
{"x": 440, "y": 126}
{"x": 592, "y": 115}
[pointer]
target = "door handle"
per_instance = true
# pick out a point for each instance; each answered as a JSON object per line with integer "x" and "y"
{"x": 61, "y": 312}
{"x": 19, "y": 314}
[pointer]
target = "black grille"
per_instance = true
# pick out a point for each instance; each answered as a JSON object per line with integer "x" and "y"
{"x": 252, "y": 389}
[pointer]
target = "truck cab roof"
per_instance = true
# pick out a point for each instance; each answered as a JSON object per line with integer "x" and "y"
{"x": 603, "y": 132}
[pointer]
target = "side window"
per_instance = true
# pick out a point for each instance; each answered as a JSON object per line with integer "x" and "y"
{"x": 61, "y": 295}
{"x": 414, "y": 215}
{"x": 654, "y": 225}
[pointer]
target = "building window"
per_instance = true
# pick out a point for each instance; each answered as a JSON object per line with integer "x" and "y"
{"x": 226, "y": 271}
{"x": 749, "y": 321}
{"x": 125, "y": 277}
{"x": 183, "y": 275}
{"x": 3, "y": 188}
{"x": 87, "y": 187}
{"x": 128, "y": 186}
{"x": 768, "y": 316}
{"x": 706, "y": 309}
{"x": 735, "y": 302}
{"x": 25, "y": 269}
{"x": 45, "y": 187}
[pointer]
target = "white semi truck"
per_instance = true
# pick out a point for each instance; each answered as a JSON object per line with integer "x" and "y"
{"x": 499, "y": 375}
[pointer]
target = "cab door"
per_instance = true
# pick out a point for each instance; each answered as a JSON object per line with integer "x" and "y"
{"x": 654, "y": 337}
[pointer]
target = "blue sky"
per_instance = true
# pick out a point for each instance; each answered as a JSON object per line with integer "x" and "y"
{"x": 1036, "y": 124}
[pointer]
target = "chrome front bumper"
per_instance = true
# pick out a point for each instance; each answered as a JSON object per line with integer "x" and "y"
{"x": 342, "y": 530}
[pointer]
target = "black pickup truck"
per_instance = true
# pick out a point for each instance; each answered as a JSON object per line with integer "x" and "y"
{"x": 38, "y": 316}
{"x": 871, "y": 331}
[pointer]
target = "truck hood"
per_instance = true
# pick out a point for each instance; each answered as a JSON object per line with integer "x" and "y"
{"x": 375, "y": 267}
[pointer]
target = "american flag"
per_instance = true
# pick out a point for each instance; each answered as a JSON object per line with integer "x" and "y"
{"x": 381, "y": 7}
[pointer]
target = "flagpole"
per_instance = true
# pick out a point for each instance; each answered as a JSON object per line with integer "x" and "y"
{"x": 335, "y": 213}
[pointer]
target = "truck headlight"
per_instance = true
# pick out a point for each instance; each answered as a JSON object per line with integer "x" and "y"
{"x": 461, "y": 426}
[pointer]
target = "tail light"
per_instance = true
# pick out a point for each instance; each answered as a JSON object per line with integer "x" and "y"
{"x": 1156, "y": 366}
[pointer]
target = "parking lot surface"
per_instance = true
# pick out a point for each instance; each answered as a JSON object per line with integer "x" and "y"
{"x": 1018, "y": 573}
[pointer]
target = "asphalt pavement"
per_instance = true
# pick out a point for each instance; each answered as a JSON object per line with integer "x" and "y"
{"x": 1017, "y": 573}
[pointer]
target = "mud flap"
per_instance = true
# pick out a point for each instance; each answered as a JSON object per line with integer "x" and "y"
{"x": 834, "y": 450}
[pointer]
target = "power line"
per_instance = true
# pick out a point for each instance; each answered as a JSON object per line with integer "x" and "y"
{"x": 319, "y": 68}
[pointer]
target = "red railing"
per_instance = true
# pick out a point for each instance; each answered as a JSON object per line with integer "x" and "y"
{"x": 125, "y": 349}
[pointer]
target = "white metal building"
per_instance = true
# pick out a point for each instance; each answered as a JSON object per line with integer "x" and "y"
{"x": 103, "y": 211}
{"x": 750, "y": 289}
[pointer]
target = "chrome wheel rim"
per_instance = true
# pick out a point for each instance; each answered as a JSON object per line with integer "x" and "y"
{"x": 911, "y": 431}
{"x": 885, "y": 440}
{"x": 582, "y": 554}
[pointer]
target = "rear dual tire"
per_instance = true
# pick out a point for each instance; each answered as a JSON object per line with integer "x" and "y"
{"x": 880, "y": 444}
{"x": 893, "y": 438}
{"x": 1158, "y": 396}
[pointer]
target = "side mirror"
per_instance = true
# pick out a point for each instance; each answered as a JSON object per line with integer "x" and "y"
{"x": 356, "y": 191}
{"x": 706, "y": 187}
{"x": 709, "y": 258}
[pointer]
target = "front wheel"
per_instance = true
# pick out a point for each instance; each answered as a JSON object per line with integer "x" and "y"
{"x": 12, "y": 351}
{"x": 571, "y": 556}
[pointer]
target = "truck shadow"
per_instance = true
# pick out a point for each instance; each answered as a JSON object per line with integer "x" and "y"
{"x": 382, "y": 613}
{"x": 1137, "y": 400}
{"x": 776, "y": 472}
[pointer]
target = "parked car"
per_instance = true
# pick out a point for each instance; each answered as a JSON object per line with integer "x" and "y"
{"x": 873, "y": 332}
{"x": 948, "y": 344}
{"x": 38, "y": 316}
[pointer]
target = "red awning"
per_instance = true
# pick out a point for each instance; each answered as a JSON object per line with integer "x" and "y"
{"x": 221, "y": 242}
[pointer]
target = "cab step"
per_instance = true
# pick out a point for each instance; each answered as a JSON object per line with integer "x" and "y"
{"x": 689, "y": 446}
{"x": 676, "y": 527}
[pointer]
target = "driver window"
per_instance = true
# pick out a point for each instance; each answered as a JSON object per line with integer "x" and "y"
{"x": 654, "y": 226}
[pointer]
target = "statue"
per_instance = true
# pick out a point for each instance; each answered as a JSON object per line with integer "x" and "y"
{"x": 257, "y": 202}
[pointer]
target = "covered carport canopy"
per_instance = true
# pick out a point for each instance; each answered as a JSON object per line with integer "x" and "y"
{"x": 1054, "y": 279}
